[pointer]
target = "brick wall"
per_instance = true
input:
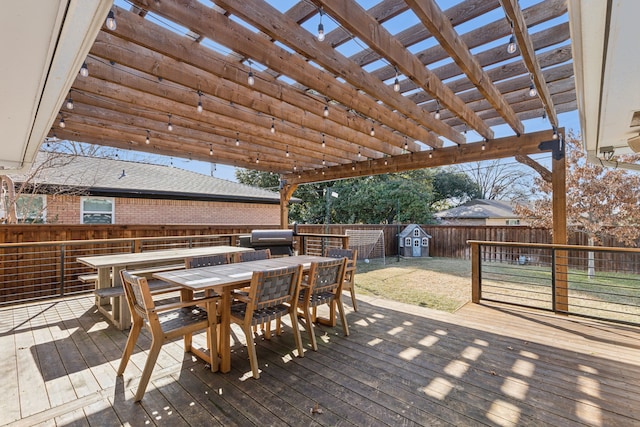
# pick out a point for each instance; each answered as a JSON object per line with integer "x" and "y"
{"x": 66, "y": 210}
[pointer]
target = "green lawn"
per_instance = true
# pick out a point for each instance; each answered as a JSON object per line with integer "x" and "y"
{"x": 438, "y": 283}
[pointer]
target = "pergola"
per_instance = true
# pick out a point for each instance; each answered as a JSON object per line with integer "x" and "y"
{"x": 393, "y": 87}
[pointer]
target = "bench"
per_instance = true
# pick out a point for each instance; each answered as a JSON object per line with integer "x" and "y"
{"x": 155, "y": 286}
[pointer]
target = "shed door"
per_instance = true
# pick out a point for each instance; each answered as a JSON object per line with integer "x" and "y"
{"x": 417, "y": 250}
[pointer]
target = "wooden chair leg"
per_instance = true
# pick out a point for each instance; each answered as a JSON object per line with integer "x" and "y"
{"x": 296, "y": 333}
{"x": 148, "y": 369}
{"x": 343, "y": 317}
{"x": 278, "y": 327}
{"x": 251, "y": 349}
{"x": 310, "y": 331}
{"x": 134, "y": 333}
{"x": 353, "y": 298}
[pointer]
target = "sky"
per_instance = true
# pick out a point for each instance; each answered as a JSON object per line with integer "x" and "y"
{"x": 569, "y": 121}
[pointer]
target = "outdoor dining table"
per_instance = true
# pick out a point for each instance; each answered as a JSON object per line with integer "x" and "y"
{"x": 223, "y": 279}
{"x": 109, "y": 266}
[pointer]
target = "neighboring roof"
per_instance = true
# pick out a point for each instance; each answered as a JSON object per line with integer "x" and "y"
{"x": 109, "y": 177}
{"x": 479, "y": 209}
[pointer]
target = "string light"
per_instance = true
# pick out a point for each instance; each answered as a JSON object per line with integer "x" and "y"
{"x": 237, "y": 139}
{"x": 258, "y": 158}
{"x": 437, "y": 114}
{"x": 359, "y": 152}
{"x": 483, "y": 146}
{"x": 199, "y": 108}
{"x": 431, "y": 154}
{"x": 532, "y": 88}
{"x": 320, "y": 28}
{"x": 396, "y": 83}
{"x": 62, "y": 124}
{"x": 323, "y": 143}
{"x": 250, "y": 79}
{"x": 273, "y": 125}
{"x": 512, "y": 46}
{"x": 555, "y": 132}
{"x": 295, "y": 166}
{"x": 211, "y": 149}
{"x": 84, "y": 70}
{"x": 353, "y": 165}
{"x": 147, "y": 140}
{"x": 287, "y": 152}
{"x": 406, "y": 145}
{"x": 326, "y": 111}
{"x": 373, "y": 131}
{"x": 111, "y": 21}
{"x": 324, "y": 162}
{"x": 70, "y": 102}
{"x": 169, "y": 125}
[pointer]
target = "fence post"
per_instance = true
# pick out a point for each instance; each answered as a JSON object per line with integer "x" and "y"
{"x": 553, "y": 280}
{"x": 476, "y": 291}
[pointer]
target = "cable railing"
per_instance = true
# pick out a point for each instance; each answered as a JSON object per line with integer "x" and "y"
{"x": 43, "y": 270}
{"x": 595, "y": 282}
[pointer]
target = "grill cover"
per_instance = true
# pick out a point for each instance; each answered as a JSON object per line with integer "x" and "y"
{"x": 279, "y": 242}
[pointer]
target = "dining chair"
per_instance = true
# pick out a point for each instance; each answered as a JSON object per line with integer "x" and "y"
{"x": 272, "y": 294}
{"x": 350, "y": 272}
{"x": 323, "y": 286}
{"x": 207, "y": 260}
{"x": 165, "y": 322}
{"x": 253, "y": 255}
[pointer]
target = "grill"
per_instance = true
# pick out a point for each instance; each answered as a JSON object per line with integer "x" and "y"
{"x": 279, "y": 242}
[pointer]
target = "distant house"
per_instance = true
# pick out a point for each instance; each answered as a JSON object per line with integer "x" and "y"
{"x": 89, "y": 190}
{"x": 480, "y": 212}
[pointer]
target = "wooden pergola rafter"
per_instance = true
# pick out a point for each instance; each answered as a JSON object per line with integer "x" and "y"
{"x": 165, "y": 57}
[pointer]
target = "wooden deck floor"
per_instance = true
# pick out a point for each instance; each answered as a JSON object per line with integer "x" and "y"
{"x": 401, "y": 366}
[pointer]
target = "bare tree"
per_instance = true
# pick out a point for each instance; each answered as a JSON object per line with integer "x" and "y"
{"x": 498, "y": 180}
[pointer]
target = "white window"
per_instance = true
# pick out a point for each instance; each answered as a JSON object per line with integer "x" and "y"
{"x": 416, "y": 243}
{"x": 425, "y": 242}
{"x": 30, "y": 208}
{"x": 97, "y": 210}
{"x": 407, "y": 242}
{"x": 416, "y": 232}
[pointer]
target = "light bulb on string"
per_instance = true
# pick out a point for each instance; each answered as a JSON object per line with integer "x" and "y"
{"x": 323, "y": 143}
{"x": 532, "y": 88}
{"x": 324, "y": 162}
{"x": 406, "y": 145}
{"x": 237, "y": 139}
{"x": 147, "y": 140}
{"x": 326, "y": 111}
{"x": 111, "y": 21}
{"x": 169, "y": 125}
{"x": 258, "y": 158}
{"x": 273, "y": 125}
{"x": 437, "y": 114}
{"x": 512, "y": 47}
{"x": 396, "y": 83}
{"x": 199, "y": 108}
{"x": 555, "y": 133}
{"x": 70, "y": 103}
{"x": 373, "y": 131}
{"x": 250, "y": 79}
{"x": 62, "y": 124}
{"x": 431, "y": 154}
{"x": 84, "y": 70}
{"x": 211, "y": 149}
{"x": 320, "y": 29}
{"x": 287, "y": 152}
{"x": 359, "y": 152}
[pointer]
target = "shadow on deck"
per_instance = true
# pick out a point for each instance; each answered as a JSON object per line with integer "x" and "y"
{"x": 402, "y": 365}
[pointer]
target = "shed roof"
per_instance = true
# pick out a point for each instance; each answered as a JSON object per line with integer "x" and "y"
{"x": 111, "y": 177}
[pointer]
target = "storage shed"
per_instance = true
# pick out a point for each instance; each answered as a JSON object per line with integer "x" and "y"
{"x": 414, "y": 241}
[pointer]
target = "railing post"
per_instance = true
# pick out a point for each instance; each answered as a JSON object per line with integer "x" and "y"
{"x": 553, "y": 280}
{"x": 476, "y": 280}
{"x": 62, "y": 256}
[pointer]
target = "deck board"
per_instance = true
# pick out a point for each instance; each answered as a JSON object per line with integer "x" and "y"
{"x": 401, "y": 365}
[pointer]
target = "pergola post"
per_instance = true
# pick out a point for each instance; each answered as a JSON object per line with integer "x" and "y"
{"x": 286, "y": 191}
{"x": 559, "y": 207}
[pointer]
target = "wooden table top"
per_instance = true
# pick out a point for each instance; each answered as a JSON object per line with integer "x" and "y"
{"x": 197, "y": 279}
{"x": 137, "y": 258}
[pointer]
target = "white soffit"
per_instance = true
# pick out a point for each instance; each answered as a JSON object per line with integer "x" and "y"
{"x": 606, "y": 54}
{"x": 45, "y": 44}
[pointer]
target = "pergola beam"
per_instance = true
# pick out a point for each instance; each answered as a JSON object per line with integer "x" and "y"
{"x": 514, "y": 13}
{"x": 498, "y": 148}
{"x": 432, "y": 17}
